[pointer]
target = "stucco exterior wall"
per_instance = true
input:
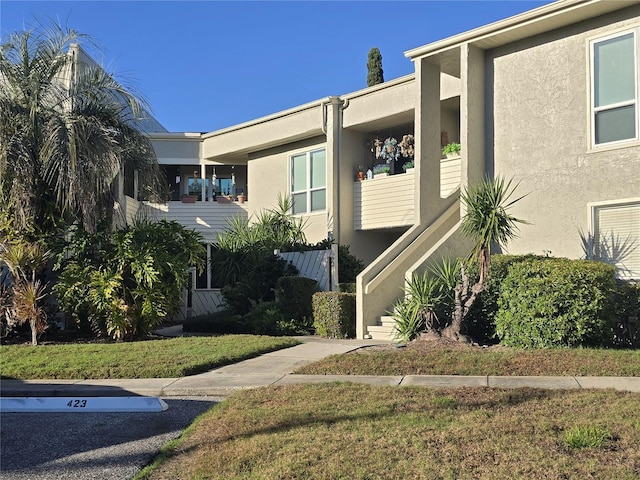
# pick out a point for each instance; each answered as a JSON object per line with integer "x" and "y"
{"x": 171, "y": 149}
{"x": 303, "y": 122}
{"x": 538, "y": 133}
{"x": 268, "y": 173}
{"x": 389, "y": 99}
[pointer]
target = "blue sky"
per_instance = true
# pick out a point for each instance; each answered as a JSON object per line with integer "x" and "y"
{"x": 205, "y": 65}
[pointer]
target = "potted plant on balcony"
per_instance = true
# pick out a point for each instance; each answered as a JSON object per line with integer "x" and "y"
{"x": 381, "y": 170}
{"x": 224, "y": 198}
{"x": 360, "y": 175}
{"x": 408, "y": 167}
{"x": 390, "y": 150}
{"x": 407, "y": 146}
{"x": 451, "y": 150}
{"x": 186, "y": 198}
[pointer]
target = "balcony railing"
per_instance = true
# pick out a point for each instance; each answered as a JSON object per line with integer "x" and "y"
{"x": 384, "y": 202}
{"x": 205, "y": 217}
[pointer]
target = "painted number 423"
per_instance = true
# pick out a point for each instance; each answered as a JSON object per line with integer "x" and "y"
{"x": 77, "y": 403}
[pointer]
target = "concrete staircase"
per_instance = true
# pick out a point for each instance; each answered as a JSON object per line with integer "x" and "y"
{"x": 383, "y": 330}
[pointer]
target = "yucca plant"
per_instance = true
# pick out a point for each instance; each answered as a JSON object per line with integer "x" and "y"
{"x": 417, "y": 310}
{"x": 408, "y": 324}
{"x": 487, "y": 222}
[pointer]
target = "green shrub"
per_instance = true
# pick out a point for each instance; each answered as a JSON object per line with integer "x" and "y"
{"x": 266, "y": 319}
{"x": 480, "y": 322}
{"x": 294, "y": 296}
{"x": 556, "y": 302}
{"x": 224, "y": 322}
{"x": 349, "y": 266}
{"x": 408, "y": 323}
{"x": 627, "y": 309}
{"x": 347, "y": 287}
{"x": 416, "y": 311}
{"x": 257, "y": 284}
{"x": 126, "y": 281}
{"x": 334, "y": 314}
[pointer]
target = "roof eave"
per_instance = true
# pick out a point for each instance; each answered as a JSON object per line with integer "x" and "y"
{"x": 533, "y": 22}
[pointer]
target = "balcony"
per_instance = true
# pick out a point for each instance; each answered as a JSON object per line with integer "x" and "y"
{"x": 388, "y": 202}
{"x": 208, "y": 218}
{"x": 384, "y": 202}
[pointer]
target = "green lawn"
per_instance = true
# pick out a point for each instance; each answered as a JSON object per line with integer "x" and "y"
{"x": 437, "y": 359}
{"x": 168, "y": 358}
{"x": 363, "y": 432}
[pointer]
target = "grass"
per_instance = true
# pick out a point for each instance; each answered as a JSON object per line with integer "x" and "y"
{"x": 167, "y": 358}
{"x": 364, "y": 432}
{"x": 467, "y": 360}
{"x": 587, "y": 436}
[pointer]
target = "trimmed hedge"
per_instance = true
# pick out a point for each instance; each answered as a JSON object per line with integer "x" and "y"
{"x": 480, "y": 323}
{"x": 334, "y": 314}
{"x": 556, "y": 302}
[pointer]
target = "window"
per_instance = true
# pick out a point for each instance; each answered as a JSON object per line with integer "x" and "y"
{"x": 309, "y": 181}
{"x": 616, "y": 230}
{"x": 614, "y": 89}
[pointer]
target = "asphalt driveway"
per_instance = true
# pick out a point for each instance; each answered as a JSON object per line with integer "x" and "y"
{"x": 90, "y": 445}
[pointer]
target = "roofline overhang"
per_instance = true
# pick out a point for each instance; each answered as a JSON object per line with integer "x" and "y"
{"x": 527, "y": 24}
{"x": 269, "y": 118}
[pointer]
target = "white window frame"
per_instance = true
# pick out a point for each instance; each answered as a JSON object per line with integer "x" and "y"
{"x": 593, "y": 110}
{"x": 594, "y": 234}
{"x": 308, "y": 190}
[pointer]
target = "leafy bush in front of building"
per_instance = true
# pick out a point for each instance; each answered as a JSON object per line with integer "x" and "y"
{"x": 627, "y": 328}
{"x": 266, "y": 318}
{"x": 294, "y": 295}
{"x": 556, "y": 302}
{"x": 334, "y": 314}
{"x": 481, "y": 320}
{"x": 123, "y": 283}
{"x": 223, "y": 322}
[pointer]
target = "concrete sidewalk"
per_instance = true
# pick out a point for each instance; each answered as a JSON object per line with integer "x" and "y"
{"x": 276, "y": 368}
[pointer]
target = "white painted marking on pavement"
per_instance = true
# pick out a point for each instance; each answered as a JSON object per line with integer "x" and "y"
{"x": 82, "y": 404}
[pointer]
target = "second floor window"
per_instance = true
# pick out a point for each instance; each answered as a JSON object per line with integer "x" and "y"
{"x": 614, "y": 89}
{"x": 309, "y": 181}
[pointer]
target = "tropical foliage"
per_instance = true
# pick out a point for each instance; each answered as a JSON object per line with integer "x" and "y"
{"x": 124, "y": 283}
{"x": 427, "y": 303}
{"x": 67, "y": 128}
{"x": 25, "y": 303}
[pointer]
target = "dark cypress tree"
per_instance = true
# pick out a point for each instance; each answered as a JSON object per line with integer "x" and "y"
{"x": 374, "y": 67}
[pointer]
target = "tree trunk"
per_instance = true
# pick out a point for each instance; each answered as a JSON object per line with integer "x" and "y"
{"x": 34, "y": 332}
{"x": 463, "y": 301}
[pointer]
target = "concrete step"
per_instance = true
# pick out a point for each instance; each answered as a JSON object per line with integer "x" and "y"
{"x": 378, "y": 332}
{"x": 387, "y": 321}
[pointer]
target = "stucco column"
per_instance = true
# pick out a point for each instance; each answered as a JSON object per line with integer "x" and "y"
{"x": 427, "y": 141}
{"x": 472, "y": 118}
{"x": 333, "y": 117}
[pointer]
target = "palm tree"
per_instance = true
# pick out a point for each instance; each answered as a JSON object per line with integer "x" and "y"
{"x": 67, "y": 128}
{"x": 488, "y": 223}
